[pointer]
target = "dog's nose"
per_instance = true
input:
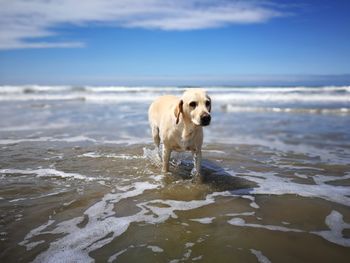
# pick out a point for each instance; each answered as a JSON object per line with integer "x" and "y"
{"x": 205, "y": 119}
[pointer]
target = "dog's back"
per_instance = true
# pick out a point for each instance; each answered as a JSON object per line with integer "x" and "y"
{"x": 160, "y": 107}
{"x": 159, "y": 114}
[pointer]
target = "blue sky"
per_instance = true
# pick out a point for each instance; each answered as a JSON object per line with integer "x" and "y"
{"x": 175, "y": 42}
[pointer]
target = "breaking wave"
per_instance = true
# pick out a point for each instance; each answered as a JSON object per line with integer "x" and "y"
{"x": 224, "y": 94}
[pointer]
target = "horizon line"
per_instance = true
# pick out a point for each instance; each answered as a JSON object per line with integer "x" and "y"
{"x": 190, "y": 80}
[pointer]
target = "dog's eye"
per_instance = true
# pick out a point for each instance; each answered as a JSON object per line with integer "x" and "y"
{"x": 207, "y": 103}
{"x": 193, "y": 104}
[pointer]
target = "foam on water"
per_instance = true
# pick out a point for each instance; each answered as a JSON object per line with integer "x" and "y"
{"x": 34, "y": 232}
{"x": 100, "y": 229}
{"x": 325, "y": 155}
{"x": 116, "y": 255}
{"x": 272, "y": 184}
{"x": 241, "y": 214}
{"x": 76, "y": 139}
{"x": 116, "y": 156}
{"x": 273, "y": 97}
{"x": 260, "y": 256}
{"x": 18, "y": 199}
{"x": 32, "y": 88}
{"x": 78, "y": 96}
{"x": 237, "y": 221}
{"x": 101, "y": 223}
{"x": 204, "y": 220}
{"x": 48, "y": 172}
{"x": 338, "y": 111}
{"x": 151, "y": 89}
{"x": 37, "y": 197}
{"x": 123, "y": 89}
{"x": 321, "y": 179}
{"x": 37, "y": 126}
{"x": 336, "y": 226}
{"x": 117, "y": 98}
{"x": 123, "y": 94}
{"x": 102, "y": 226}
{"x": 334, "y": 221}
{"x": 154, "y": 249}
{"x": 79, "y": 138}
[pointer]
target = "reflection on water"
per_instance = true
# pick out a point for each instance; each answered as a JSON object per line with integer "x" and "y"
{"x": 80, "y": 179}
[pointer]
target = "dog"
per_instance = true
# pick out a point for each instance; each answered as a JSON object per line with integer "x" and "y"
{"x": 178, "y": 124}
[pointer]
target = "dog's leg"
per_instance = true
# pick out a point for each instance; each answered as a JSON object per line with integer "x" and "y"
{"x": 197, "y": 160}
{"x": 156, "y": 138}
{"x": 155, "y": 135}
{"x": 166, "y": 158}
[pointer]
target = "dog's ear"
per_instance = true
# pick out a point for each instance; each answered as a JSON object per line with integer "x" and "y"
{"x": 178, "y": 110}
{"x": 209, "y": 108}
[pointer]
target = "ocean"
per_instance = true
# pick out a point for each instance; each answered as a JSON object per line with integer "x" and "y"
{"x": 80, "y": 180}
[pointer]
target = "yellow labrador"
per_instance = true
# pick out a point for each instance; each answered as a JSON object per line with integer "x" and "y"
{"x": 177, "y": 123}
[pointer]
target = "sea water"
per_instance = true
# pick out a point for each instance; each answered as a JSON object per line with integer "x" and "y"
{"x": 80, "y": 178}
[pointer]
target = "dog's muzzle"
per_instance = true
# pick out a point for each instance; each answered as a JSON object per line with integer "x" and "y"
{"x": 205, "y": 119}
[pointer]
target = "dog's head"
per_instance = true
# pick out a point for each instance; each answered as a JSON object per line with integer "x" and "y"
{"x": 195, "y": 107}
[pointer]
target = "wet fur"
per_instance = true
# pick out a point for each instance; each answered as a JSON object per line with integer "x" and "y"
{"x": 178, "y": 125}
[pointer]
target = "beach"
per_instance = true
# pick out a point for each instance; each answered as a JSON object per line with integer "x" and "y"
{"x": 81, "y": 180}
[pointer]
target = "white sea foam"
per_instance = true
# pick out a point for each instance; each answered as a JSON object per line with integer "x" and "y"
{"x": 111, "y": 155}
{"x": 100, "y": 229}
{"x": 272, "y": 184}
{"x": 33, "y": 88}
{"x": 17, "y": 200}
{"x": 69, "y": 203}
{"x": 36, "y": 126}
{"x": 189, "y": 244}
{"x": 219, "y": 94}
{"x": 96, "y": 98}
{"x": 334, "y": 221}
{"x": 144, "y": 89}
{"x": 227, "y": 97}
{"x": 75, "y": 139}
{"x": 48, "y": 172}
{"x": 102, "y": 226}
{"x": 197, "y": 258}
{"x": 151, "y": 89}
{"x": 320, "y": 179}
{"x": 336, "y": 226}
{"x": 235, "y": 108}
{"x": 233, "y": 97}
{"x": 204, "y": 220}
{"x": 260, "y": 256}
{"x": 155, "y": 249}
{"x": 80, "y": 138}
{"x": 298, "y": 167}
{"x": 214, "y": 151}
{"x": 34, "y": 232}
{"x": 241, "y": 214}
{"x": 292, "y": 97}
{"x": 116, "y": 255}
{"x": 49, "y": 194}
{"x": 326, "y": 155}
{"x": 241, "y": 222}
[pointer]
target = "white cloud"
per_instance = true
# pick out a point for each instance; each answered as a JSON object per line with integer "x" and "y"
{"x": 24, "y": 22}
